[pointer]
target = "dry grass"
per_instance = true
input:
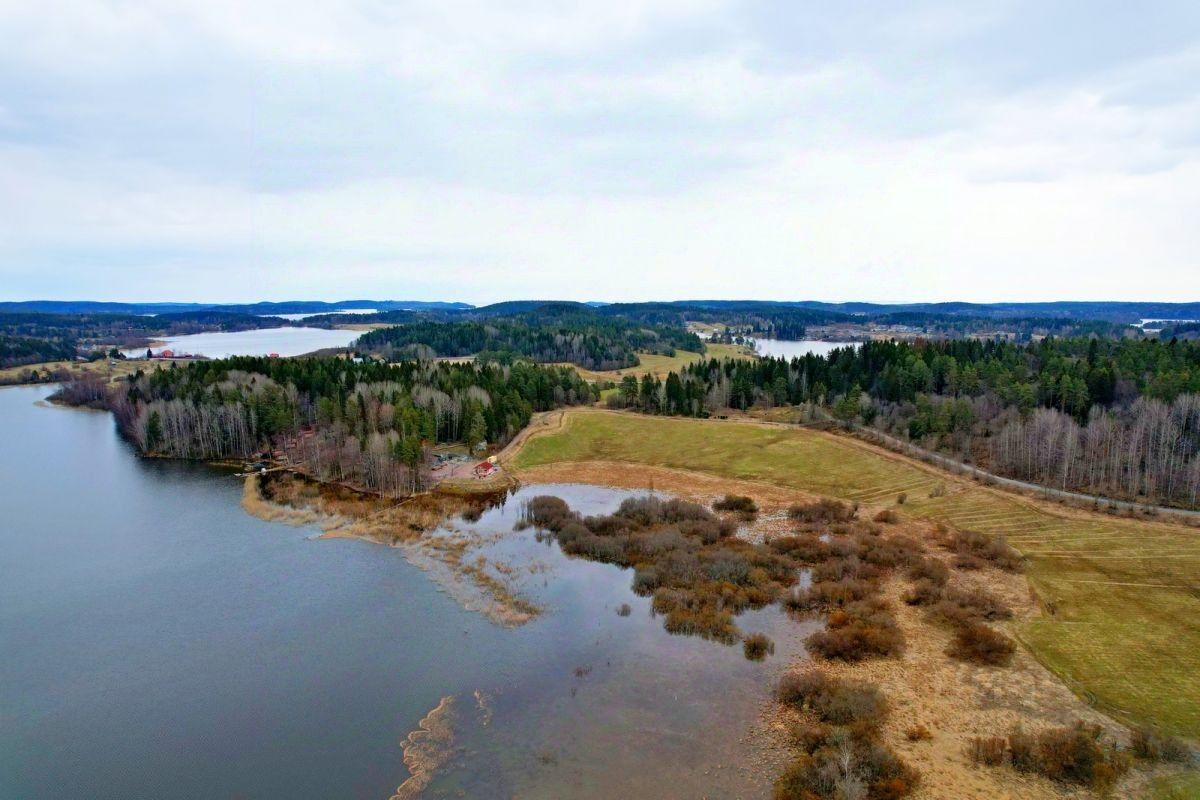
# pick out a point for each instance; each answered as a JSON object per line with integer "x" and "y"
{"x": 1122, "y": 596}
{"x": 20, "y": 375}
{"x": 660, "y": 366}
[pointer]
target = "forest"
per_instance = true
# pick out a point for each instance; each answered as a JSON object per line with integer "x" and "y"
{"x": 1113, "y": 417}
{"x": 548, "y": 334}
{"x": 367, "y": 424}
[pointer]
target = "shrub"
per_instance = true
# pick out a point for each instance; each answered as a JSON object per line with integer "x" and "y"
{"x": 989, "y": 750}
{"x": 923, "y": 593}
{"x": 960, "y": 608}
{"x": 757, "y": 646}
{"x": 828, "y": 594}
{"x": 902, "y": 498}
{"x": 1150, "y": 745}
{"x": 887, "y": 516}
{"x": 548, "y": 512}
{"x": 624, "y": 610}
{"x": 1075, "y": 754}
{"x": 739, "y": 503}
{"x": 971, "y": 548}
{"x": 979, "y": 644}
{"x": 857, "y": 631}
{"x": 930, "y": 569}
{"x": 918, "y": 733}
{"x": 806, "y": 547}
{"x": 645, "y": 579}
{"x": 824, "y": 510}
{"x": 832, "y": 700}
{"x": 836, "y": 569}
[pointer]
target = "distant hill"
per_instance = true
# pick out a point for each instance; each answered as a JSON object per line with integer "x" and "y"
{"x": 264, "y": 308}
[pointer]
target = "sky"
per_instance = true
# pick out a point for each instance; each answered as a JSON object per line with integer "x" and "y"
{"x": 232, "y": 150}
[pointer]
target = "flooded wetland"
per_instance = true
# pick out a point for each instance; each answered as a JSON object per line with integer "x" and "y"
{"x": 164, "y": 642}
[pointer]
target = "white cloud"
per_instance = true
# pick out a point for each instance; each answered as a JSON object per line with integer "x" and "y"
{"x": 605, "y": 150}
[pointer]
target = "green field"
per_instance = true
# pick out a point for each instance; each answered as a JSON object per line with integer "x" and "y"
{"x": 660, "y": 366}
{"x": 1125, "y": 632}
{"x": 1180, "y": 787}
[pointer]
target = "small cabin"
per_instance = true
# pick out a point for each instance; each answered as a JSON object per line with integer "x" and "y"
{"x": 166, "y": 354}
{"x": 484, "y": 468}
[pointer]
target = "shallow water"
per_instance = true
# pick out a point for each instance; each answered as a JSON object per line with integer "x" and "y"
{"x": 159, "y": 642}
{"x": 782, "y": 348}
{"x": 284, "y": 341}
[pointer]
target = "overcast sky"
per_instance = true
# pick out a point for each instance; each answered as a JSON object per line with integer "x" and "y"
{"x": 228, "y": 150}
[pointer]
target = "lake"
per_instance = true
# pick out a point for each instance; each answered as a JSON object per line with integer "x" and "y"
{"x": 160, "y": 642}
{"x": 284, "y": 341}
{"x": 294, "y": 317}
{"x": 782, "y": 348}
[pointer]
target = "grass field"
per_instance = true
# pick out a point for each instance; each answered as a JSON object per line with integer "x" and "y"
{"x": 12, "y": 375}
{"x": 1125, "y": 594}
{"x": 1180, "y": 787}
{"x": 659, "y": 366}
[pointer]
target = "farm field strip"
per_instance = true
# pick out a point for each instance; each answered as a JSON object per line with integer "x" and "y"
{"x": 1123, "y": 595}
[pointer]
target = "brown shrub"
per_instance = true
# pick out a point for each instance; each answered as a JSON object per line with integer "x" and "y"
{"x": 971, "y": 548}
{"x": 857, "y": 631}
{"x": 1151, "y": 745}
{"x": 824, "y": 510}
{"x": 923, "y": 593}
{"x": 989, "y": 750}
{"x": 887, "y": 516}
{"x": 979, "y": 644}
{"x": 833, "y": 700}
{"x": 918, "y": 733}
{"x": 828, "y": 594}
{"x": 738, "y": 503}
{"x": 1075, "y": 754}
{"x": 930, "y": 569}
{"x": 805, "y": 547}
{"x": 757, "y": 646}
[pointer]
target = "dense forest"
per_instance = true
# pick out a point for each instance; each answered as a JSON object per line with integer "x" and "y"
{"x": 368, "y": 424}
{"x": 546, "y": 335}
{"x": 1116, "y": 417}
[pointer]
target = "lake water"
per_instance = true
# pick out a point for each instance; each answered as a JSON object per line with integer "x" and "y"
{"x": 284, "y": 341}
{"x": 160, "y": 642}
{"x": 294, "y": 317}
{"x": 782, "y": 348}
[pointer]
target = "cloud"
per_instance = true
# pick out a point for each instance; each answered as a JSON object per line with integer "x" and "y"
{"x": 605, "y": 150}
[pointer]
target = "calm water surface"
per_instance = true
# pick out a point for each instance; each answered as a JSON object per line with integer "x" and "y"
{"x": 159, "y": 642}
{"x": 284, "y": 341}
{"x": 782, "y": 348}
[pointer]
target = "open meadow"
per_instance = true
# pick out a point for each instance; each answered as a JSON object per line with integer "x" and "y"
{"x": 1121, "y": 596}
{"x": 659, "y": 366}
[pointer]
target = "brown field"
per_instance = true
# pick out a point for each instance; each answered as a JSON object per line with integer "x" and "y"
{"x": 1123, "y": 595}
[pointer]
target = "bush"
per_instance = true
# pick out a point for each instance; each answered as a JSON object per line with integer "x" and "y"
{"x": 971, "y": 548}
{"x": 1075, "y": 754}
{"x": 828, "y": 594}
{"x": 805, "y": 547}
{"x": 930, "y": 569}
{"x": 739, "y": 503}
{"x": 624, "y": 610}
{"x": 918, "y": 733}
{"x": 857, "y": 631}
{"x": 887, "y": 516}
{"x": 989, "y": 750}
{"x": 757, "y": 646}
{"x": 902, "y": 498}
{"x": 1150, "y": 745}
{"x": 832, "y": 700}
{"x": 960, "y": 608}
{"x": 824, "y": 510}
{"x": 979, "y": 644}
{"x": 923, "y": 593}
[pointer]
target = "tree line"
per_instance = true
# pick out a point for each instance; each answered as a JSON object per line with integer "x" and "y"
{"x": 1114, "y": 417}
{"x": 367, "y": 424}
{"x": 584, "y": 339}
